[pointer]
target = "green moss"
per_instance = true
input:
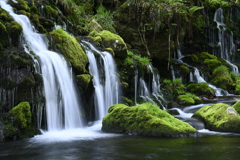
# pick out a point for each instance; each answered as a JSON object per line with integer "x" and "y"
{"x": 9, "y": 132}
{"x": 188, "y": 99}
{"x": 215, "y": 117}
{"x": 50, "y": 12}
{"x": 193, "y": 57}
{"x": 184, "y": 69}
{"x": 174, "y": 87}
{"x": 84, "y": 80}
{"x": 14, "y": 30}
{"x": 21, "y": 5}
{"x": 114, "y": 41}
{"x": 222, "y": 78}
{"x": 71, "y": 50}
{"x": 216, "y": 3}
{"x": 236, "y": 106}
{"x": 24, "y": 13}
{"x": 144, "y": 119}
{"x": 22, "y": 114}
{"x": 206, "y": 55}
{"x": 212, "y": 63}
{"x": 200, "y": 88}
{"x": 94, "y": 26}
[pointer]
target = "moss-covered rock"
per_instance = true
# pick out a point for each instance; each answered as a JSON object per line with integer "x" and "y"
{"x": 71, "y": 50}
{"x": 217, "y": 118}
{"x": 22, "y": 114}
{"x": 145, "y": 119}
{"x": 236, "y": 106}
{"x": 94, "y": 26}
{"x": 201, "y": 89}
{"x": 84, "y": 80}
{"x": 222, "y": 78}
{"x": 107, "y": 39}
{"x": 188, "y": 99}
{"x": 114, "y": 41}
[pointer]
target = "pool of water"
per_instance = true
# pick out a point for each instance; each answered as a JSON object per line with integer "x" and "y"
{"x": 211, "y": 145}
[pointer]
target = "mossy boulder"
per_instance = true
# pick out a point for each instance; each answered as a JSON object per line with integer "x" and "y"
{"x": 219, "y": 117}
{"x": 188, "y": 99}
{"x": 222, "y": 78}
{"x": 94, "y": 26}
{"x": 71, "y": 50}
{"x": 145, "y": 119}
{"x": 84, "y": 80}
{"x": 107, "y": 39}
{"x": 201, "y": 89}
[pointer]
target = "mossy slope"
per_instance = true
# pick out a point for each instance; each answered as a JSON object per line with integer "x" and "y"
{"x": 215, "y": 117}
{"x": 144, "y": 119}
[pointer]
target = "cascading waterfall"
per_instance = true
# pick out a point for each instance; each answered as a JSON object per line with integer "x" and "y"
{"x": 195, "y": 76}
{"x": 225, "y": 41}
{"x": 149, "y": 92}
{"x": 62, "y": 106}
{"x": 106, "y": 82}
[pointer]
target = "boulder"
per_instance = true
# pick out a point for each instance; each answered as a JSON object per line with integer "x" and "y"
{"x": 107, "y": 39}
{"x": 144, "y": 119}
{"x": 71, "y": 49}
{"x": 219, "y": 117}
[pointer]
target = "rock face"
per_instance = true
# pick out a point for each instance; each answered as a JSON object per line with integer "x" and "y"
{"x": 219, "y": 117}
{"x": 144, "y": 119}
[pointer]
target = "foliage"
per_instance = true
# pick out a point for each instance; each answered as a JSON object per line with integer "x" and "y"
{"x": 212, "y": 63}
{"x": 215, "y": 117}
{"x": 200, "y": 88}
{"x": 175, "y": 87}
{"x": 22, "y": 114}
{"x": 143, "y": 119}
{"x": 237, "y": 89}
{"x": 217, "y": 3}
{"x": 105, "y": 18}
{"x": 188, "y": 99}
{"x": 222, "y": 78}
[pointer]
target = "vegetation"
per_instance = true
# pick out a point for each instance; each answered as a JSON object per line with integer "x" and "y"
{"x": 216, "y": 118}
{"x": 70, "y": 48}
{"x": 22, "y": 114}
{"x": 144, "y": 119}
{"x": 222, "y": 78}
{"x": 200, "y": 89}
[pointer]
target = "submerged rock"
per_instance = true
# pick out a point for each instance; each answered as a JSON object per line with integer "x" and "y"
{"x": 145, "y": 119}
{"x": 219, "y": 117}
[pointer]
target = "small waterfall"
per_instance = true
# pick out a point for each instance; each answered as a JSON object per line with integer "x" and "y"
{"x": 106, "y": 82}
{"x": 149, "y": 91}
{"x": 62, "y": 106}
{"x": 225, "y": 40}
{"x": 195, "y": 76}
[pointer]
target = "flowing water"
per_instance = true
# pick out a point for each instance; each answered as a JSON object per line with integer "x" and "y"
{"x": 62, "y": 106}
{"x": 105, "y": 80}
{"x": 116, "y": 147}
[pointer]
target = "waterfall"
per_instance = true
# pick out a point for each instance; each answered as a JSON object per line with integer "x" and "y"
{"x": 225, "y": 41}
{"x": 62, "y": 106}
{"x": 149, "y": 91}
{"x": 106, "y": 82}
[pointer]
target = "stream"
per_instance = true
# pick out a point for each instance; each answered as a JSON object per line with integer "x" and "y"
{"x": 90, "y": 143}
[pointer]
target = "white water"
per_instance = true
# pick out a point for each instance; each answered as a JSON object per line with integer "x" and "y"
{"x": 225, "y": 41}
{"x": 151, "y": 90}
{"x": 106, "y": 82}
{"x": 62, "y": 106}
